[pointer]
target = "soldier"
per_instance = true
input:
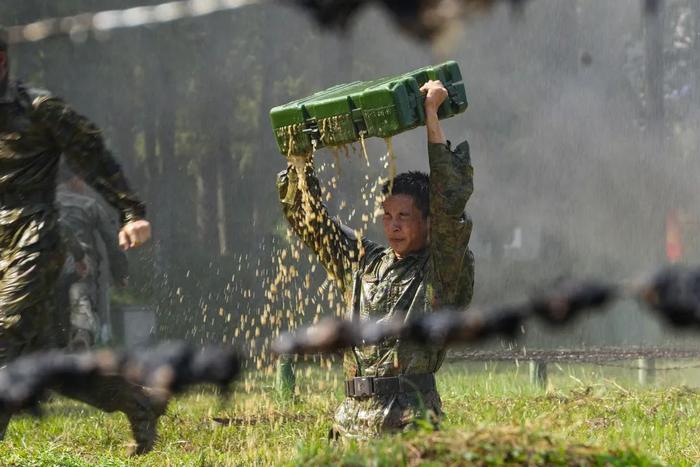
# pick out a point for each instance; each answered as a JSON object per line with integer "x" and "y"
{"x": 427, "y": 266}
{"x": 85, "y": 217}
{"x": 74, "y": 269}
{"x": 35, "y": 129}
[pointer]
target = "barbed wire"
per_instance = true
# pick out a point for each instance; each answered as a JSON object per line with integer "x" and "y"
{"x": 595, "y": 355}
{"x": 673, "y": 294}
{"x": 602, "y": 357}
{"x": 80, "y": 26}
{"x": 634, "y": 368}
{"x": 170, "y": 368}
{"x": 557, "y": 306}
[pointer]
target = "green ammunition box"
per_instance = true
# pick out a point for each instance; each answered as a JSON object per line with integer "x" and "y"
{"x": 346, "y": 113}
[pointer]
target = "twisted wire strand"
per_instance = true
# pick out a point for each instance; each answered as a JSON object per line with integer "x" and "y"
{"x": 602, "y": 357}
{"x": 673, "y": 294}
{"x": 79, "y": 26}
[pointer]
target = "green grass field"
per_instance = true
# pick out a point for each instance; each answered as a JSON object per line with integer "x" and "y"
{"x": 587, "y": 416}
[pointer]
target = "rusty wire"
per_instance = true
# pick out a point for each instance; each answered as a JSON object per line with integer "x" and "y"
{"x": 673, "y": 294}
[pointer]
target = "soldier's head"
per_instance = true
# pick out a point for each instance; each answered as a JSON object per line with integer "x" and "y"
{"x": 406, "y": 211}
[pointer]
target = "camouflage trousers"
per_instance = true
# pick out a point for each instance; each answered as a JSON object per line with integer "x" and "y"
{"x": 31, "y": 258}
{"x": 78, "y": 300}
{"x": 84, "y": 327}
{"x": 373, "y": 416}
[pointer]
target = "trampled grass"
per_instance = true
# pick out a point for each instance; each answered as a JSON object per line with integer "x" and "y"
{"x": 587, "y": 416}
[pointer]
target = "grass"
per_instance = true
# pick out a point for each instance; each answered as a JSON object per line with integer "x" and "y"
{"x": 587, "y": 416}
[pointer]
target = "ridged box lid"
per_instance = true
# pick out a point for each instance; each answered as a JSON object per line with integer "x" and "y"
{"x": 383, "y": 108}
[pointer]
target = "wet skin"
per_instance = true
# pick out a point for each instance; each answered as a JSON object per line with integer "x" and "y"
{"x": 405, "y": 226}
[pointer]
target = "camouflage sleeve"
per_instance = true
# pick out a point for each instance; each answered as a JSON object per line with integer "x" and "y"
{"x": 82, "y": 144}
{"x": 118, "y": 263}
{"x": 452, "y": 264}
{"x": 336, "y": 246}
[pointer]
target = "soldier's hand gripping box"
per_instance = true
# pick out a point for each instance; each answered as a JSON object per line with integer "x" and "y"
{"x": 346, "y": 113}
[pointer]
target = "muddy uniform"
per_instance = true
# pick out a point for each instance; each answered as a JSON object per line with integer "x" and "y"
{"x": 35, "y": 129}
{"x": 84, "y": 216}
{"x": 391, "y": 384}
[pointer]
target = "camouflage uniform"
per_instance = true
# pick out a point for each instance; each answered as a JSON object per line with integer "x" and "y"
{"x": 84, "y": 216}
{"x": 377, "y": 286}
{"x": 35, "y": 129}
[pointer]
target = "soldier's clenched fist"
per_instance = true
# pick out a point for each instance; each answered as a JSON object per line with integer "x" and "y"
{"x": 435, "y": 95}
{"x": 134, "y": 234}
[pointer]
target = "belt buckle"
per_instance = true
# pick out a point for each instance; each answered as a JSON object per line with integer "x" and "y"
{"x": 364, "y": 386}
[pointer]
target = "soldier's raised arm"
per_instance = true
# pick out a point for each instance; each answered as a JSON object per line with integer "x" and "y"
{"x": 337, "y": 246}
{"x": 451, "y": 185}
{"x": 82, "y": 144}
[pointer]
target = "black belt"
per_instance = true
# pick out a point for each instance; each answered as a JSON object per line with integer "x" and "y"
{"x": 11, "y": 199}
{"x": 368, "y": 386}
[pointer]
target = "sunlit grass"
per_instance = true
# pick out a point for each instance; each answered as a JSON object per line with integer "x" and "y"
{"x": 589, "y": 414}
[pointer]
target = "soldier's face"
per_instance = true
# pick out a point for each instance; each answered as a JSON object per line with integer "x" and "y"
{"x": 405, "y": 228}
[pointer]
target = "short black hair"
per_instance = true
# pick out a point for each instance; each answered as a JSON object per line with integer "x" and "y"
{"x": 415, "y": 184}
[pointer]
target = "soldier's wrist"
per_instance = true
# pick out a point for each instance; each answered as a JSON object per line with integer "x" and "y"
{"x": 132, "y": 215}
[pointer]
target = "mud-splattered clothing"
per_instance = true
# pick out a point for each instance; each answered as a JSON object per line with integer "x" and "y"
{"x": 90, "y": 223}
{"x": 377, "y": 285}
{"x": 35, "y": 130}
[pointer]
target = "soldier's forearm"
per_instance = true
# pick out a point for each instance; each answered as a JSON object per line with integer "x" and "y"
{"x": 116, "y": 191}
{"x": 432, "y": 124}
{"x": 311, "y": 223}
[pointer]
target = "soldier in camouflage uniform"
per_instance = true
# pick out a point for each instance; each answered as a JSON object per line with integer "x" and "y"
{"x": 85, "y": 217}
{"x": 35, "y": 129}
{"x": 428, "y": 266}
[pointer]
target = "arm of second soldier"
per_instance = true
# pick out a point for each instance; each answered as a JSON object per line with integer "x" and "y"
{"x": 82, "y": 144}
{"x": 451, "y": 185}
{"x": 337, "y": 247}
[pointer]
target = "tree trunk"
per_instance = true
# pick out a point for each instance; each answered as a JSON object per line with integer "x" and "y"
{"x": 696, "y": 49}
{"x": 149, "y": 120}
{"x": 654, "y": 69}
{"x": 167, "y": 215}
{"x": 223, "y": 208}
{"x": 654, "y": 90}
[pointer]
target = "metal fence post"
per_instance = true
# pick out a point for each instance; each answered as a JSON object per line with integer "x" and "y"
{"x": 647, "y": 371}
{"x": 285, "y": 380}
{"x": 538, "y": 373}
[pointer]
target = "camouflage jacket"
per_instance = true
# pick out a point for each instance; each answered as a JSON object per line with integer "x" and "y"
{"x": 378, "y": 286}
{"x": 35, "y": 129}
{"x": 86, "y": 218}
